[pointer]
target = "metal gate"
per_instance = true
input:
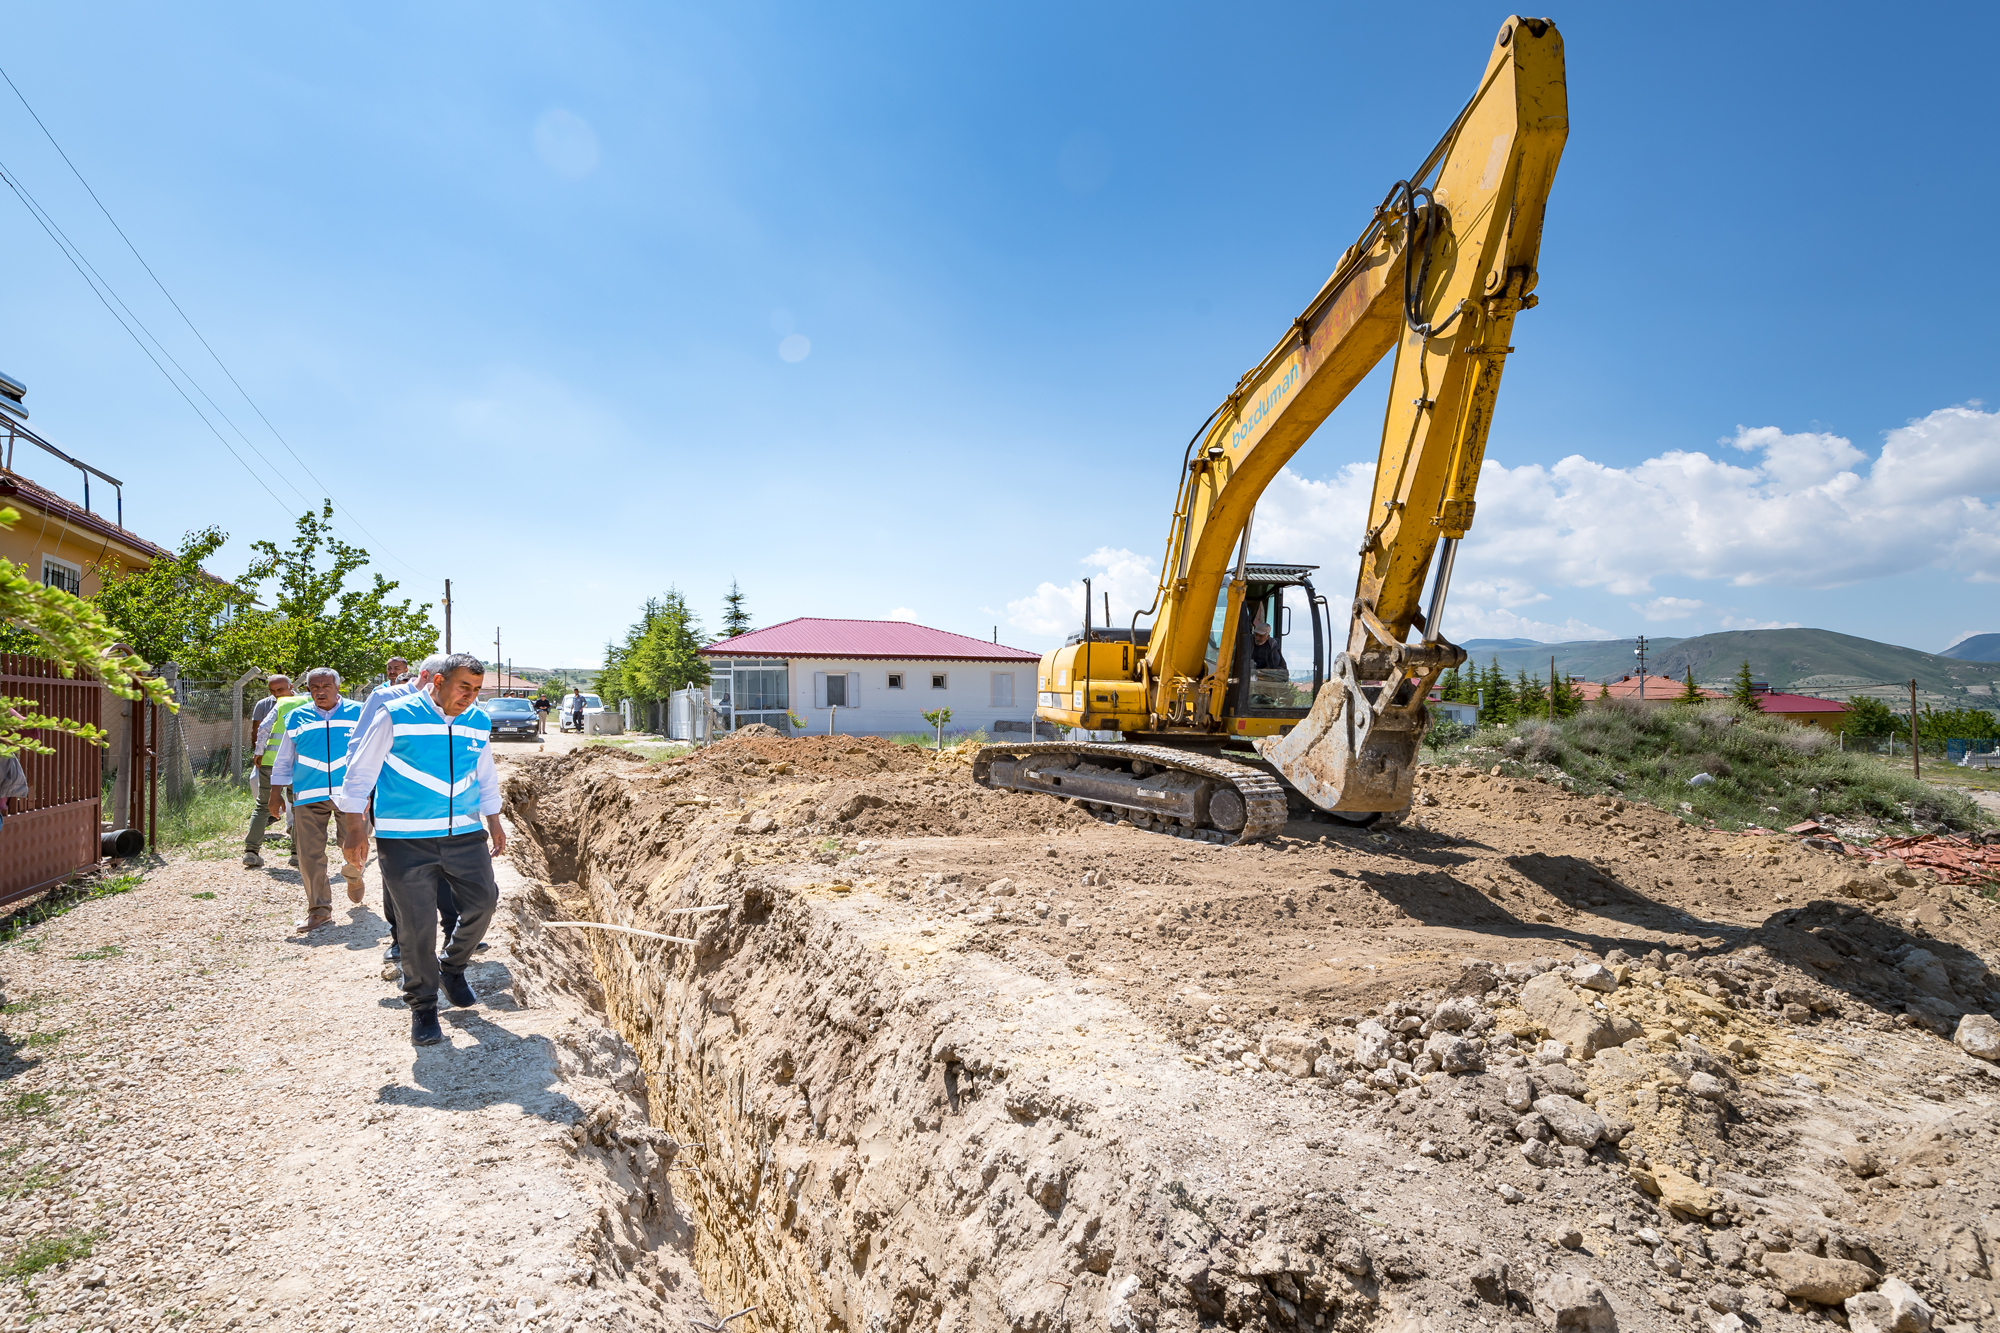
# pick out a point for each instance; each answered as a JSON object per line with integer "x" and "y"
{"x": 53, "y": 833}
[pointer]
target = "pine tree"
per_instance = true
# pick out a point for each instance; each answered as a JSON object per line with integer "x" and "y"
{"x": 1569, "y": 699}
{"x": 1499, "y": 708}
{"x": 1530, "y": 701}
{"x": 1448, "y": 686}
{"x": 1744, "y": 691}
{"x": 735, "y": 619}
{"x": 1691, "y": 695}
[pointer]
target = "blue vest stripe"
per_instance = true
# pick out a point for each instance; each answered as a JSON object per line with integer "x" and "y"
{"x": 319, "y": 749}
{"x": 429, "y": 783}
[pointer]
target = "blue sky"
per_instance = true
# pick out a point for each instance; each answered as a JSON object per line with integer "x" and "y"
{"x": 908, "y": 310}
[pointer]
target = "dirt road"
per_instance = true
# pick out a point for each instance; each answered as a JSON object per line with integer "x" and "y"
{"x": 235, "y": 1122}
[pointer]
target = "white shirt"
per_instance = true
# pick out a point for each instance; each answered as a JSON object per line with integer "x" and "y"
{"x": 372, "y": 739}
{"x": 378, "y": 697}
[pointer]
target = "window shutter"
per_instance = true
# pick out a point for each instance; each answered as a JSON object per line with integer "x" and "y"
{"x": 854, "y": 689}
{"x": 1003, "y": 689}
{"x": 819, "y": 689}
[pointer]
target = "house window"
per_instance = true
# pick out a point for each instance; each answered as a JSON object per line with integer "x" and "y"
{"x": 938, "y": 681}
{"x": 62, "y": 574}
{"x": 836, "y": 691}
{"x": 895, "y": 680}
{"x": 1003, "y": 689}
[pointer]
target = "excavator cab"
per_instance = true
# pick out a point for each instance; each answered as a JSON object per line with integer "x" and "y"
{"x": 1281, "y": 645}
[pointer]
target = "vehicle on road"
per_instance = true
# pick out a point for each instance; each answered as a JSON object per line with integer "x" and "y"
{"x": 591, "y": 704}
{"x": 513, "y": 719}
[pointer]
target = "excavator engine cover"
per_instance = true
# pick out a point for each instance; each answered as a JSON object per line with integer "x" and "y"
{"x": 1350, "y": 754}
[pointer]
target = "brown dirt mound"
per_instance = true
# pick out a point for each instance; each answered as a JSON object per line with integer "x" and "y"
{"x": 764, "y": 750}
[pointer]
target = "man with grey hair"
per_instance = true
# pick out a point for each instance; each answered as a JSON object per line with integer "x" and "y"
{"x": 427, "y": 761}
{"x": 379, "y": 698}
{"x": 312, "y": 762}
{"x": 278, "y": 686}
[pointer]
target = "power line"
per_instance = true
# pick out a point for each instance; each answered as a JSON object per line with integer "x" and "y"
{"x": 325, "y": 490}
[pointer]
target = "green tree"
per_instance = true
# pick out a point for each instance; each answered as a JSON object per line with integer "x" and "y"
{"x": 315, "y": 619}
{"x": 175, "y": 611}
{"x": 1871, "y": 717}
{"x": 50, "y": 623}
{"x": 1451, "y": 686}
{"x": 661, "y": 653}
{"x": 735, "y": 616}
{"x": 1498, "y": 708}
{"x": 1690, "y": 692}
{"x": 938, "y": 717}
{"x": 1743, "y": 691}
{"x": 1531, "y": 699}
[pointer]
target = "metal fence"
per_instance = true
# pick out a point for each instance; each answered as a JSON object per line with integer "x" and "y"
{"x": 1960, "y": 753}
{"x": 53, "y": 833}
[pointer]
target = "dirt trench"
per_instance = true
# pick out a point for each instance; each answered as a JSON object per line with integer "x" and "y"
{"x": 954, "y": 1059}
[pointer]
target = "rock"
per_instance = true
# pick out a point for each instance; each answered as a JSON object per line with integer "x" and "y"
{"x": 1572, "y": 1301}
{"x": 1796, "y": 1013}
{"x": 1979, "y": 1037}
{"x": 1531, "y": 1127}
{"x": 1963, "y": 1252}
{"x": 96, "y": 1277}
{"x": 1371, "y": 1045}
{"x": 760, "y": 822}
{"x": 1558, "y": 1081}
{"x": 1594, "y": 976}
{"x": 1860, "y": 1161}
{"x": 1488, "y": 1280}
{"x": 1536, "y": 1152}
{"x": 1507, "y": 1193}
{"x": 1667, "y": 1261}
{"x": 1327, "y": 1066}
{"x": 1575, "y": 1124}
{"x": 1118, "y": 1305}
{"x": 1729, "y": 1323}
{"x": 1003, "y": 888}
{"x": 1456, "y": 1015}
{"x": 1926, "y": 973}
{"x": 1724, "y": 1299}
{"x": 1867, "y": 888}
{"x": 1351, "y": 1259}
{"x": 1551, "y": 1053}
{"x": 1567, "y": 1237}
{"x": 1675, "y": 1190}
{"x": 1894, "y": 1307}
{"x": 1519, "y": 1093}
{"x": 1700, "y": 780}
{"x": 1453, "y": 1053}
{"x": 1292, "y": 1053}
{"x": 1821, "y": 1281}
{"x": 1706, "y": 1086}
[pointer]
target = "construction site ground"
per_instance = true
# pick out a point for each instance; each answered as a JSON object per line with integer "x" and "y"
{"x": 937, "y": 1057}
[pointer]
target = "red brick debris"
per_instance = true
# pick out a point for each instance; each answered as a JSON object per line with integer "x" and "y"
{"x": 1955, "y": 860}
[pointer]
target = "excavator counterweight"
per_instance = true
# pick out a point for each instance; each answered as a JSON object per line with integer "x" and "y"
{"x": 1213, "y": 724}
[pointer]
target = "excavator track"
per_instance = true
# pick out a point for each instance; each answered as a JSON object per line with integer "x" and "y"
{"x": 1175, "y": 798}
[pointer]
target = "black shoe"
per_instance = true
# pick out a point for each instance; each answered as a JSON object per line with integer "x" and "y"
{"x": 394, "y": 954}
{"x": 424, "y": 1029}
{"x": 454, "y": 987}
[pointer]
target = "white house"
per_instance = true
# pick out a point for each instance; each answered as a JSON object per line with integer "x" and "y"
{"x": 870, "y": 678}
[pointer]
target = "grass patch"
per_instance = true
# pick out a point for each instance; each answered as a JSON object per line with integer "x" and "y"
{"x": 22, "y": 1105}
{"x": 204, "y": 895}
{"x": 653, "y": 751}
{"x": 927, "y": 740}
{"x": 44, "y": 1038}
{"x": 14, "y": 928}
{"x": 48, "y": 1251}
{"x": 101, "y": 951}
{"x": 210, "y": 820}
{"x": 27, "y": 1006}
{"x": 37, "y": 1177}
{"x": 1767, "y": 771}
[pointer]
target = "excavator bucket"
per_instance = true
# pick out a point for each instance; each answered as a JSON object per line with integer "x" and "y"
{"x": 1349, "y": 755}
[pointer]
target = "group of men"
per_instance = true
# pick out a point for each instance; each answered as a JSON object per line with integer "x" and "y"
{"x": 413, "y": 765}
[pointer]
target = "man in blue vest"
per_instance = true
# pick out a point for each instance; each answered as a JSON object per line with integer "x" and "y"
{"x": 427, "y": 758}
{"x": 312, "y": 761}
{"x": 381, "y": 697}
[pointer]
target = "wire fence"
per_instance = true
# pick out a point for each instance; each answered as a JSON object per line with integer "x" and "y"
{"x": 1960, "y": 752}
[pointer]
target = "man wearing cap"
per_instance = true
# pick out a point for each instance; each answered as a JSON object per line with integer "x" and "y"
{"x": 427, "y": 759}
{"x": 311, "y": 763}
{"x": 279, "y": 686}
{"x": 1267, "y": 663}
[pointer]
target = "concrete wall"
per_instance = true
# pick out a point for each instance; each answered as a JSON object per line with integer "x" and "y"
{"x": 883, "y": 711}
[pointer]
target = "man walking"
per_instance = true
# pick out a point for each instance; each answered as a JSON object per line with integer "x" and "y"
{"x": 279, "y": 686}
{"x": 428, "y": 760}
{"x": 311, "y": 762}
{"x": 379, "y": 698}
{"x": 542, "y": 711}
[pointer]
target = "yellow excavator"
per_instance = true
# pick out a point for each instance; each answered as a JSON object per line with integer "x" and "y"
{"x": 1220, "y": 739}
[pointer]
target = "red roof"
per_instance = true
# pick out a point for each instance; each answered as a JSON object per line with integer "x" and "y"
{"x": 16, "y": 488}
{"x": 893, "y": 639}
{"x": 1627, "y": 687}
{"x": 1798, "y": 703}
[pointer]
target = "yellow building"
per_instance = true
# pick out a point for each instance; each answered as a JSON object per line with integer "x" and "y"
{"x": 60, "y": 542}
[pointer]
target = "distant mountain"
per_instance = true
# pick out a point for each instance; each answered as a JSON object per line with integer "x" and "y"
{"x": 1490, "y": 645}
{"x": 1978, "y": 648}
{"x": 1811, "y": 661}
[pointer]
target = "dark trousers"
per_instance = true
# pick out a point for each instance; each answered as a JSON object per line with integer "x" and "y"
{"x": 418, "y": 874}
{"x": 262, "y": 814}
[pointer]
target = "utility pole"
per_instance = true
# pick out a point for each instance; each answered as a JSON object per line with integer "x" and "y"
{"x": 1552, "y": 689}
{"x": 500, "y": 684}
{"x": 447, "y": 617}
{"x": 1640, "y": 653}
{"x": 1916, "y": 763}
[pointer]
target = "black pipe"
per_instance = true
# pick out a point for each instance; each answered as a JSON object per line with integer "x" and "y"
{"x": 121, "y": 842}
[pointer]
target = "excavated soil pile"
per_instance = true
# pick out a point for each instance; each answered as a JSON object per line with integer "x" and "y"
{"x": 950, "y": 1058}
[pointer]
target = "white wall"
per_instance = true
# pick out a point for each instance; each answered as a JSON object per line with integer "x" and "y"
{"x": 883, "y": 711}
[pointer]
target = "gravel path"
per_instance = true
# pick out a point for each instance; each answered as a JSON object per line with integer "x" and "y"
{"x": 235, "y": 1121}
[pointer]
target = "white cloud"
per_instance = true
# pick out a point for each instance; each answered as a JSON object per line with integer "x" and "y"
{"x": 1669, "y": 608}
{"x": 1743, "y": 622}
{"x": 566, "y": 143}
{"x": 1477, "y": 622}
{"x": 1057, "y": 608}
{"x": 902, "y": 613}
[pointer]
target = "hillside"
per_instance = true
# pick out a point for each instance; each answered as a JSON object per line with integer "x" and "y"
{"x": 1978, "y": 648}
{"x": 1813, "y": 661}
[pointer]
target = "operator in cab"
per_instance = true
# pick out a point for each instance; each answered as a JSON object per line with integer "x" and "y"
{"x": 1267, "y": 660}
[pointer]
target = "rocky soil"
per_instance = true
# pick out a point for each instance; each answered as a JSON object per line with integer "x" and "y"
{"x": 952, "y": 1058}
{"x": 223, "y": 1126}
